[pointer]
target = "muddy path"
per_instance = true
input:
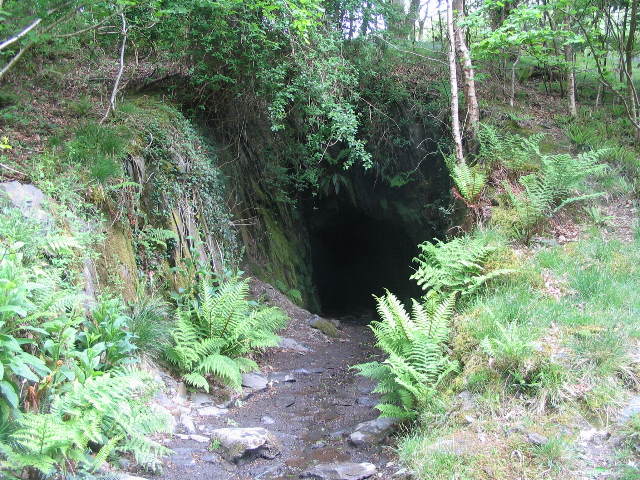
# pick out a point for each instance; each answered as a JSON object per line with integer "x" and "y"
{"x": 311, "y": 403}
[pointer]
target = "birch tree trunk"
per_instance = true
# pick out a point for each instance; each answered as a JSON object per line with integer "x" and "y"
{"x": 473, "y": 112}
{"x": 571, "y": 80}
{"x": 629, "y": 60}
{"x": 453, "y": 81}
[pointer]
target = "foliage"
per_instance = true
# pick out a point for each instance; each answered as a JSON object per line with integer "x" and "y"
{"x": 456, "y": 266}
{"x": 215, "y": 334}
{"x": 106, "y": 333}
{"x": 499, "y": 147}
{"x": 550, "y": 188}
{"x": 108, "y": 410}
{"x": 149, "y": 325}
{"x": 470, "y": 180}
{"x": 63, "y": 386}
{"x": 101, "y": 148}
{"x": 417, "y": 360}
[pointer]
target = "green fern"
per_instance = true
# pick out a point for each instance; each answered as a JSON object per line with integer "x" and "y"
{"x": 417, "y": 360}
{"x": 510, "y": 150}
{"x": 470, "y": 180}
{"x": 108, "y": 410}
{"x": 555, "y": 185}
{"x": 213, "y": 337}
{"x": 456, "y": 266}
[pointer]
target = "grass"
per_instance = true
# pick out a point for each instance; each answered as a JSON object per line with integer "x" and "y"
{"x": 556, "y": 337}
{"x": 428, "y": 462}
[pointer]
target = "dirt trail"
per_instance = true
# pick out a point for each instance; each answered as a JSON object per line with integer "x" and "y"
{"x": 312, "y": 403}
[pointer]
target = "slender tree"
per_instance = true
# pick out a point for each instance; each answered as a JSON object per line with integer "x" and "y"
{"x": 453, "y": 82}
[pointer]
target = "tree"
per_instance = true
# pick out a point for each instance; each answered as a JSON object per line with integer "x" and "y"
{"x": 473, "y": 111}
{"x": 453, "y": 84}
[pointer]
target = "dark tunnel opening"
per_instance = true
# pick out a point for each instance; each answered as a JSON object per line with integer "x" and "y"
{"x": 356, "y": 255}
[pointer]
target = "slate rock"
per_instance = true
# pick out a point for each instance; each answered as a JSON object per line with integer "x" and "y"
{"x": 325, "y": 326}
{"x": 187, "y": 422}
{"x": 255, "y": 381}
{"x": 536, "y": 439}
{"x": 200, "y": 399}
{"x": 631, "y": 409}
{"x": 212, "y": 411}
{"x": 340, "y": 471}
{"x": 291, "y": 344}
{"x": 366, "y": 401}
{"x": 373, "y": 431}
{"x": 181, "y": 393}
{"x": 182, "y": 457}
{"x": 241, "y": 445}
{"x": 281, "y": 377}
{"x": 267, "y": 420}
{"x": 28, "y": 199}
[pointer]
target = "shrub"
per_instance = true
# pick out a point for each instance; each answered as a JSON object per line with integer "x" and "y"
{"x": 108, "y": 410}
{"x": 510, "y": 150}
{"x": 215, "y": 334}
{"x": 456, "y": 266}
{"x": 543, "y": 193}
{"x": 417, "y": 359}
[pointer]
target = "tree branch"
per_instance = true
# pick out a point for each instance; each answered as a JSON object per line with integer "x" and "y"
{"x": 18, "y": 36}
{"x": 116, "y": 84}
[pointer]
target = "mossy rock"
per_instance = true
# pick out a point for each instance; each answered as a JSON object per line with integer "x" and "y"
{"x": 116, "y": 266}
{"x": 325, "y": 326}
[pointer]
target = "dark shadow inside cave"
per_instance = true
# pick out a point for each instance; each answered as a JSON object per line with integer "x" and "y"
{"x": 356, "y": 255}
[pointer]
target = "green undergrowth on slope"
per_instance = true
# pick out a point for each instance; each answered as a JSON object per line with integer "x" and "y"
{"x": 544, "y": 338}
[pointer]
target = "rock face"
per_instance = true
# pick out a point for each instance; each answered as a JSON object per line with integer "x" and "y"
{"x": 28, "y": 199}
{"x": 241, "y": 445}
{"x": 255, "y": 381}
{"x": 325, "y": 326}
{"x": 373, "y": 431}
{"x": 340, "y": 471}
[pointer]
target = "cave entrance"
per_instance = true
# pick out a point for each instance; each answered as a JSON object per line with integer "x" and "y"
{"x": 357, "y": 253}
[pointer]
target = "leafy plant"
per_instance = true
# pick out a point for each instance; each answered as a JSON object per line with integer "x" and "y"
{"x": 417, "y": 359}
{"x": 215, "y": 334}
{"x": 470, "y": 180}
{"x": 108, "y": 410}
{"x": 551, "y": 188}
{"x": 597, "y": 217}
{"x": 107, "y": 334}
{"x": 456, "y": 266}
{"x": 511, "y": 150}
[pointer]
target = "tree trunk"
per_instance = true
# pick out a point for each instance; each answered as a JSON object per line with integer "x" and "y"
{"x": 473, "y": 112}
{"x": 621, "y": 47}
{"x": 512, "y": 97}
{"x": 411, "y": 19}
{"x": 571, "y": 80}
{"x": 633, "y": 22}
{"x": 453, "y": 82}
{"x": 366, "y": 19}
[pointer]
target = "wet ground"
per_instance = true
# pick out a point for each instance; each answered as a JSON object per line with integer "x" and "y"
{"x": 312, "y": 415}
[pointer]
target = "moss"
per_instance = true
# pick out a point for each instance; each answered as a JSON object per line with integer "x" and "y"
{"x": 326, "y": 327}
{"x": 287, "y": 267}
{"x": 117, "y": 263}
